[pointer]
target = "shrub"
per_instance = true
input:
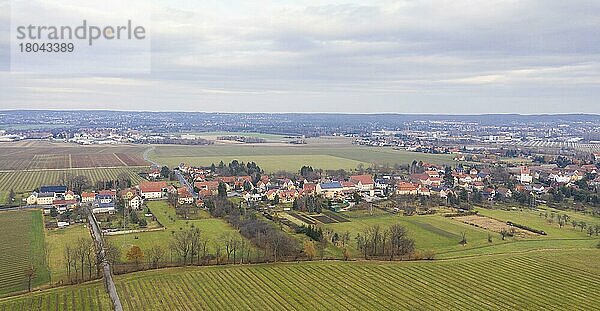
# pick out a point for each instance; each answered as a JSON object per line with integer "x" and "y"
{"x": 526, "y": 228}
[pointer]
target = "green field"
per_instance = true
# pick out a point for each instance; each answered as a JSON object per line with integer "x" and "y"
{"x": 211, "y": 228}
{"x": 442, "y": 234}
{"x": 56, "y": 241}
{"x": 89, "y": 296}
{"x": 21, "y": 245}
{"x": 273, "y": 158}
{"x": 271, "y": 163}
{"x": 24, "y": 181}
{"x": 557, "y": 280}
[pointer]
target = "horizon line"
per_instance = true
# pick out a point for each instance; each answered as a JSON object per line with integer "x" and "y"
{"x": 309, "y": 113}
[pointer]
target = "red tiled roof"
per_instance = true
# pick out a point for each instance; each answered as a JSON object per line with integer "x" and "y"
{"x": 108, "y": 192}
{"x": 210, "y": 185}
{"x": 183, "y": 192}
{"x": 406, "y": 186}
{"x": 363, "y": 179}
{"x": 88, "y": 195}
{"x": 309, "y": 186}
{"x": 348, "y": 184}
{"x": 153, "y": 186}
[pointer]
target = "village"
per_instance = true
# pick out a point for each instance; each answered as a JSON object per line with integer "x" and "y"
{"x": 311, "y": 190}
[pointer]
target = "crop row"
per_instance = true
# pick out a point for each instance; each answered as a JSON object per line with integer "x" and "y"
{"x": 83, "y": 297}
{"x": 539, "y": 280}
{"x": 26, "y": 181}
{"x": 519, "y": 282}
{"x": 21, "y": 240}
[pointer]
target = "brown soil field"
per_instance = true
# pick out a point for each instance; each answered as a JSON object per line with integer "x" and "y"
{"x": 493, "y": 225}
{"x": 40, "y": 155}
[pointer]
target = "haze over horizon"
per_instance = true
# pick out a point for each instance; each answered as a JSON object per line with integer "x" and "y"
{"x": 423, "y": 57}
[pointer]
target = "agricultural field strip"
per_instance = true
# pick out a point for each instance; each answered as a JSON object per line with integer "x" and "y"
{"x": 394, "y": 285}
{"x": 27, "y": 181}
{"x": 75, "y": 169}
{"x": 69, "y": 298}
{"x": 21, "y": 238}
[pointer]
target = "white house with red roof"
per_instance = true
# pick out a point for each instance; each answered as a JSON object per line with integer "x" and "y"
{"x": 88, "y": 197}
{"x": 184, "y": 196}
{"x": 406, "y": 188}
{"x": 525, "y": 176}
{"x": 363, "y": 182}
{"x": 152, "y": 189}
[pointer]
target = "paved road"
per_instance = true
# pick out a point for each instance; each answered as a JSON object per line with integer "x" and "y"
{"x": 108, "y": 280}
{"x": 184, "y": 182}
{"x": 180, "y": 177}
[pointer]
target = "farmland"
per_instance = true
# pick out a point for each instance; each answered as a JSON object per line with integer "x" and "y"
{"x": 211, "y": 228}
{"x": 21, "y": 245}
{"x": 24, "y": 181}
{"x": 561, "y": 279}
{"x": 26, "y": 165}
{"x": 40, "y": 155}
{"x": 286, "y": 157}
{"x": 90, "y": 296}
{"x": 442, "y": 234}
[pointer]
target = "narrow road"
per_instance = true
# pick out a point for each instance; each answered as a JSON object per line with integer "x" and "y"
{"x": 108, "y": 280}
{"x": 180, "y": 177}
{"x": 147, "y": 157}
{"x": 185, "y": 183}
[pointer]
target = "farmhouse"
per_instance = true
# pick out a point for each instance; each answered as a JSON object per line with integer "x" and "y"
{"x": 206, "y": 187}
{"x": 184, "y": 196}
{"x": 47, "y": 195}
{"x": 152, "y": 190}
{"x": 287, "y": 196}
{"x": 104, "y": 203}
{"x": 406, "y": 188}
{"x": 128, "y": 194}
{"x": 363, "y": 182}
{"x": 525, "y": 176}
{"x": 135, "y": 203}
{"x": 88, "y": 197}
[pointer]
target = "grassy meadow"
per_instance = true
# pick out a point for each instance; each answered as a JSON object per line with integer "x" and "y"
{"x": 281, "y": 157}
{"x": 56, "y": 242}
{"x": 539, "y": 280}
{"x": 211, "y": 228}
{"x": 442, "y": 235}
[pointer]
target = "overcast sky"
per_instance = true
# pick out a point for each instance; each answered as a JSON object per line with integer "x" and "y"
{"x": 454, "y": 56}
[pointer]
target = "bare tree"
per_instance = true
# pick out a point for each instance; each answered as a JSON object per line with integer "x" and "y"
{"x": 155, "y": 254}
{"x": 30, "y": 273}
{"x": 181, "y": 245}
{"x": 400, "y": 243}
{"x": 69, "y": 256}
{"x": 218, "y": 249}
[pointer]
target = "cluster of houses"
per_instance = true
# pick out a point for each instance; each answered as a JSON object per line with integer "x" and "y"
{"x": 431, "y": 182}
{"x": 283, "y": 190}
{"x": 533, "y": 178}
{"x": 58, "y": 197}
{"x": 104, "y": 201}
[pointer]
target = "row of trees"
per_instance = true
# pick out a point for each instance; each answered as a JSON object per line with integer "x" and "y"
{"x": 81, "y": 261}
{"x": 236, "y": 168}
{"x": 393, "y": 242}
{"x": 80, "y": 183}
